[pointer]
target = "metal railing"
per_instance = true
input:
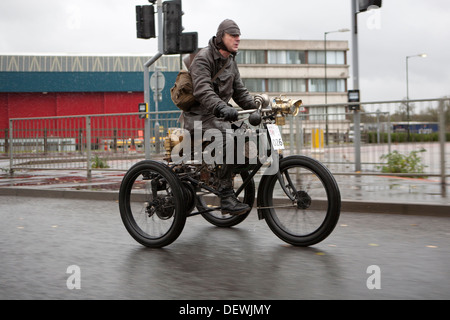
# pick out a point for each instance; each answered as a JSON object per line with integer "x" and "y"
{"x": 89, "y": 142}
{"x": 116, "y": 141}
{"x": 388, "y": 134}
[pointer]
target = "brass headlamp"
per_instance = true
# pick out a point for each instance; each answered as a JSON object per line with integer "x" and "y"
{"x": 282, "y": 107}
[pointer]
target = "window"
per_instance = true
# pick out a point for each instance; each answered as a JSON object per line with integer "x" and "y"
{"x": 316, "y": 85}
{"x": 333, "y": 57}
{"x": 293, "y": 85}
{"x": 316, "y": 57}
{"x": 286, "y": 57}
{"x": 251, "y": 57}
{"x": 255, "y": 85}
{"x": 287, "y": 85}
{"x": 321, "y": 113}
{"x": 334, "y": 85}
{"x": 295, "y": 57}
{"x": 277, "y": 57}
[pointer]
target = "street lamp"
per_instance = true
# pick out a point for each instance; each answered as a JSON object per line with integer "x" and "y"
{"x": 422, "y": 55}
{"x": 326, "y": 80}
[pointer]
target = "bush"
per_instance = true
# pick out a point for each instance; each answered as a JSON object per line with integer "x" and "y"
{"x": 400, "y": 137}
{"x": 399, "y": 163}
{"x": 99, "y": 163}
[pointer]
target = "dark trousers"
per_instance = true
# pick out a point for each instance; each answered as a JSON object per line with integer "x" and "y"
{"x": 224, "y": 166}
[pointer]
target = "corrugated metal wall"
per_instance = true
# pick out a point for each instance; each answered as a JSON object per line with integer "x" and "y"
{"x": 36, "y": 86}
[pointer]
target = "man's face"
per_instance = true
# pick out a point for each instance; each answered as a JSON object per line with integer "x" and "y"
{"x": 231, "y": 42}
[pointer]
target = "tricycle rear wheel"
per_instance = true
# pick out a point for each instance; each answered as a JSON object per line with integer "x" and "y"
{"x": 211, "y": 201}
{"x": 151, "y": 204}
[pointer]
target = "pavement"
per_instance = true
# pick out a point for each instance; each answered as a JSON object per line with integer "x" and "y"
{"x": 378, "y": 194}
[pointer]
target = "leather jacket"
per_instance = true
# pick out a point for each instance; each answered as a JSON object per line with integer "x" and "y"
{"x": 210, "y": 95}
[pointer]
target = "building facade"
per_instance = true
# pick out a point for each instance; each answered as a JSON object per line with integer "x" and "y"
{"x": 60, "y": 85}
{"x": 297, "y": 69}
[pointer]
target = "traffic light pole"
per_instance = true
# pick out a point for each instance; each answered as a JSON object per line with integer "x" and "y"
{"x": 147, "y": 136}
{"x": 358, "y": 6}
{"x": 356, "y": 112}
{"x": 171, "y": 40}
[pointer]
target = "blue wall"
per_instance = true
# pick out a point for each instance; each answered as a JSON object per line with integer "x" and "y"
{"x": 22, "y": 82}
{"x": 77, "y": 81}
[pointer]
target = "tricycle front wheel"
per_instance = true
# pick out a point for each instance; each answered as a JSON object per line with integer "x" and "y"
{"x": 301, "y": 204}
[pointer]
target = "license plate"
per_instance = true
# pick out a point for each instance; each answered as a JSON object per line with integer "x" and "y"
{"x": 275, "y": 137}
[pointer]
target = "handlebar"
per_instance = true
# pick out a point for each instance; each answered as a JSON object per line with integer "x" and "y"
{"x": 253, "y": 110}
{"x": 278, "y": 109}
{"x": 255, "y": 117}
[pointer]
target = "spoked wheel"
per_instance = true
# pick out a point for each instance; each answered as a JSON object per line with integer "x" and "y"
{"x": 209, "y": 201}
{"x": 151, "y": 204}
{"x": 306, "y": 209}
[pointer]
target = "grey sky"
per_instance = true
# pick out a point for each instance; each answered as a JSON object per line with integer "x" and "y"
{"x": 386, "y": 36}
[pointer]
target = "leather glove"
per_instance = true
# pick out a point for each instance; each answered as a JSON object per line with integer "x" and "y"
{"x": 250, "y": 105}
{"x": 230, "y": 114}
{"x": 227, "y": 113}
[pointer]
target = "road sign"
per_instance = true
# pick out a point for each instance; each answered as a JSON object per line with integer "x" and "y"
{"x": 157, "y": 81}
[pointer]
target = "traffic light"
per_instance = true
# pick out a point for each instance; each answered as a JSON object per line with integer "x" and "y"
{"x": 143, "y": 108}
{"x": 353, "y": 96}
{"x": 366, "y": 4}
{"x": 188, "y": 42}
{"x": 145, "y": 22}
{"x": 174, "y": 40}
{"x": 172, "y": 26}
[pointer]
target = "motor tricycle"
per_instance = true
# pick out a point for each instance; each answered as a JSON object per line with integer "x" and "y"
{"x": 297, "y": 196}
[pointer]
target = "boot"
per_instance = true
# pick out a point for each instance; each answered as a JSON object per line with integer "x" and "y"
{"x": 228, "y": 201}
{"x": 231, "y": 205}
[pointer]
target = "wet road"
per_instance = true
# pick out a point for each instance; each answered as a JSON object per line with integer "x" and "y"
{"x": 48, "y": 245}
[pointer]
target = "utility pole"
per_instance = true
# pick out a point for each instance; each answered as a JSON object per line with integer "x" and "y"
{"x": 147, "y": 65}
{"x": 356, "y": 114}
{"x": 358, "y": 6}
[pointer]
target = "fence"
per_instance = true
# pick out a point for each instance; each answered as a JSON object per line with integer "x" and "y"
{"x": 398, "y": 138}
{"x": 413, "y": 130}
{"x": 90, "y": 142}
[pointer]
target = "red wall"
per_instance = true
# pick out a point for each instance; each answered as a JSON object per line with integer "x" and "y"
{"x": 117, "y": 102}
{"x": 28, "y": 105}
{"x": 3, "y": 112}
{"x": 25, "y": 105}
